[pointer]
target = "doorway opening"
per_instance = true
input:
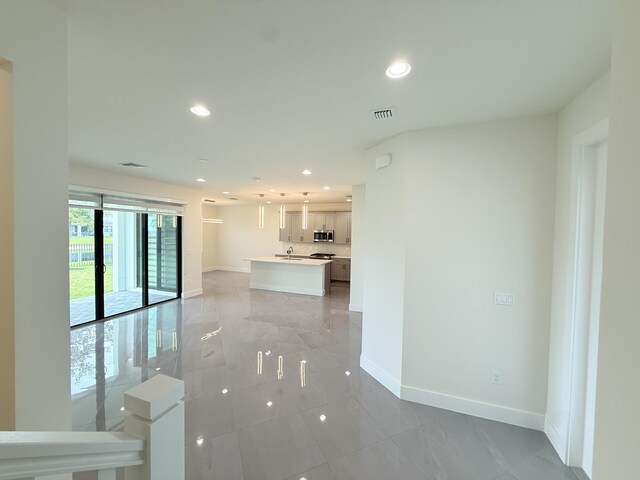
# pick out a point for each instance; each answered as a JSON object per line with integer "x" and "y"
{"x": 589, "y": 166}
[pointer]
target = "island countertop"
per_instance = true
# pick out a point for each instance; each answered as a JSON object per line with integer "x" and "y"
{"x": 285, "y": 261}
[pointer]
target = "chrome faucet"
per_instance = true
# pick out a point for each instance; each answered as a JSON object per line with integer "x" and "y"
{"x": 289, "y": 252}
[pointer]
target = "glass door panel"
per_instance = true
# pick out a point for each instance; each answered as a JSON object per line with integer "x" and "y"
{"x": 82, "y": 258}
{"x": 163, "y": 257}
{"x": 122, "y": 276}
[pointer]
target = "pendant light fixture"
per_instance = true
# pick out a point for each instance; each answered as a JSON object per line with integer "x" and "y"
{"x": 283, "y": 211}
{"x": 261, "y": 214}
{"x": 305, "y": 214}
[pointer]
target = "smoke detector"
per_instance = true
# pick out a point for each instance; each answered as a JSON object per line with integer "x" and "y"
{"x": 383, "y": 113}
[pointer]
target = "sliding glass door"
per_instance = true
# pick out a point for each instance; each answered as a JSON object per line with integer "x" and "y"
{"x": 164, "y": 245}
{"x": 82, "y": 255}
{"x": 122, "y": 262}
{"x": 121, "y": 259}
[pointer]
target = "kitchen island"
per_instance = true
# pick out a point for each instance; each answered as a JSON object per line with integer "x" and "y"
{"x": 292, "y": 275}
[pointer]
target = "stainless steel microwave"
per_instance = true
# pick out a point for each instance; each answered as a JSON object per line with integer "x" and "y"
{"x": 323, "y": 235}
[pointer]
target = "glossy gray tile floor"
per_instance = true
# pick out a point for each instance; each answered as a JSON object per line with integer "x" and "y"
{"x": 316, "y": 415}
{"x": 83, "y": 310}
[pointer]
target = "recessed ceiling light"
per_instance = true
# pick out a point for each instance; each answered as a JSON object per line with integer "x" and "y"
{"x": 200, "y": 110}
{"x": 272, "y": 190}
{"x": 225, "y": 193}
{"x": 398, "y": 69}
{"x": 326, "y": 187}
{"x": 307, "y": 172}
{"x": 200, "y": 180}
{"x": 268, "y": 201}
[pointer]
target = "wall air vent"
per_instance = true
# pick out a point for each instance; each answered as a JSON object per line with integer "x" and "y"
{"x": 383, "y": 113}
{"x": 133, "y": 165}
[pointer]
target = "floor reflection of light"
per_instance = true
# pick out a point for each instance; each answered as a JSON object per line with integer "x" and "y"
{"x": 259, "y": 362}
{"x": 280, "y": 368}
{"x": 122, "y": 409}
{"x": 269, "y": 403}
{"x": 199, "y": 441}
{"x": 347, "y": 373}
{"x": 303, "y": 373}
{"x": 323, "y": 417}
{"x": 225, "y": 391}
{"x": 207, "y": 336}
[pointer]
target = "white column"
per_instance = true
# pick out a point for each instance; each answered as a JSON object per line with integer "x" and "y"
{"x": 155, "y": 412}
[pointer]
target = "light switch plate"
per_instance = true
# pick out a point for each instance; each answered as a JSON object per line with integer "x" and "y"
{"x": 500, "y": 298}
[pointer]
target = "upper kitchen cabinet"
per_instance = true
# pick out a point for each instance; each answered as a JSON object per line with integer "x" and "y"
{"x": 323, "y": 221}
{"x": 339, "y": 222}
{"x": 293, "y": 231}
{"x": 342, "y": 227}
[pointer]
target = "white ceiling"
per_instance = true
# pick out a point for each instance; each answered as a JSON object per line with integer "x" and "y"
{"x": 290, "y": 83}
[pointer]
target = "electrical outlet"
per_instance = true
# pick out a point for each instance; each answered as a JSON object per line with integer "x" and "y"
{"x": 496, "y": 378}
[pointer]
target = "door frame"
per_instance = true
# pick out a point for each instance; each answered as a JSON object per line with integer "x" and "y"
{"x": 587, "y": 225}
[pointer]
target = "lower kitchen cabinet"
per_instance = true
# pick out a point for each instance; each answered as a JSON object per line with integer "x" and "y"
{"x": 341, "y": 269}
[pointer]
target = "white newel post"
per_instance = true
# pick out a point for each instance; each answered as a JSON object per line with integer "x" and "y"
{"x": 155, "y": 412}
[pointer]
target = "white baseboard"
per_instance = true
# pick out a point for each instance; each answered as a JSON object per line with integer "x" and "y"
{"x": 209, "y": 269}
{"x": 355, "y": 307}
{"x": 556, "y": 439}
{"x": 192, "y": 293}
{"x": 380, "y": 375}
{"x": 230, "y": 269}
{"x": 475, "y": 408}
{"x": 276, "y": 288}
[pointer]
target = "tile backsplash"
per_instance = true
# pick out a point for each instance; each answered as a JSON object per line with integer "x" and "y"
{"x": 309, "y": 248}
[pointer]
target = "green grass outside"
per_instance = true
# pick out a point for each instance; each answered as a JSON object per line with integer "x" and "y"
{"x": 87, "y": 240}
{"x": 82, "y": 282}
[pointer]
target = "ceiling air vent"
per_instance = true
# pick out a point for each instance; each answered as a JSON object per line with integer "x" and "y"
{"x": 133, "y": 165}
{"x": 232, "y": 198}
{"x": 383, "y": 113}
{"x": 208, "y": 200}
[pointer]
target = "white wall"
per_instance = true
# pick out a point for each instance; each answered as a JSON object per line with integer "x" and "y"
{"x": 358, "y": 240}
{"x": 192, "y": 221}
{"x": 617, "y": 441}
{"x": 239, "y": 237}
{"x": 384, "y": 247}
{"x": 480, "y": 219}
{"x": 7, "y": 327}
{"x": 33, "y": 36}
{"x": 209, "y": 238}
{"x": 587, "y": 109}
{"x": 468, "y": 211}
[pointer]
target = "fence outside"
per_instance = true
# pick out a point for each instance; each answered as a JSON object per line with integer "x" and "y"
{"x": 81, "y": 255}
